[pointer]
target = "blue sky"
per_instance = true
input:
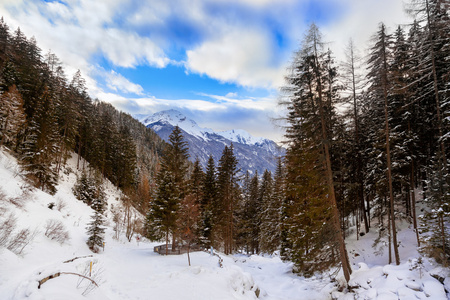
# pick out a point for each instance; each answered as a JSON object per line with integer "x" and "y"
{"x": 219, "y": 61}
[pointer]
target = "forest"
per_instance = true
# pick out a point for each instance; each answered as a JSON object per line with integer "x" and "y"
{"x": 366, "y": 147}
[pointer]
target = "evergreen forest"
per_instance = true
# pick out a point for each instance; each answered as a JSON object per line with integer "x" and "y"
{"x": 366, "y": 141}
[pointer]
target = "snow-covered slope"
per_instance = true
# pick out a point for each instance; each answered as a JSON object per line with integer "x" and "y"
{"x": 128, "y": 270}
{"x": 175, "y": 118}
{"x": 124, "y": 270}
{"x": 253, "y": 153}
{"x": 241, "y": 136}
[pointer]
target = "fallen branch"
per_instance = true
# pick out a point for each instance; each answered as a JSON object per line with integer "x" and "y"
{"x": 220, "y": 258}
{"x": 71, "y": 260}
{"x": 42, "y": 281}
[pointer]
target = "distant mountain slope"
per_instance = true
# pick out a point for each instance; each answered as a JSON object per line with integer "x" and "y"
{"x": 252, "y": 153}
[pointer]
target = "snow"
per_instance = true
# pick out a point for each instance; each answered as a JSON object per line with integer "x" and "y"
{"x": 176, "y": 118}
{"x": 241, "y": 136}
{"x": 127, "y": 270}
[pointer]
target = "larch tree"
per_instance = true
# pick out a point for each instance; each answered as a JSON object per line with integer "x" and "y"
{"x": 310, "y": 99}
{"x": 12, "y": 117}
{"x": 379, "y": 76}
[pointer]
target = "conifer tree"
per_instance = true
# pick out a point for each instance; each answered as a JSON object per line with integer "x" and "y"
{"x": 85, "y": 188}
{"x": 379, "y": 73}
{"x": 195, "y": 190}
{"x": 95, "y": 229}
{"x": 12, "y": 117}
{"x": 269, "y": 235}
{"x": 228, "y": 196}
{"x": 162, "y": 218}
{"x": 39, "y": 149}
{"x": 353, "y": 84}
{"x": 311, "y": 93}
{"x": 207, "y": 204}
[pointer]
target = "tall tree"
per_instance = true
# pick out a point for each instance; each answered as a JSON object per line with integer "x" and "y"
{"x": 311, "y": 93}
{"x": 208, "y": 204}
{"x": 162, "y": 218}
{"x": 12, "y": 117}
{"x": 96, "y": 229}
{"x": 269, "y": 215}
{"x": 353, "y": 84}
{"x": 228, "y": 195}
{"x": 380, "y": 86}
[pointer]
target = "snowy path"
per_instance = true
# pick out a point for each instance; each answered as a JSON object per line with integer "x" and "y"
{"x": 277, "y": 281}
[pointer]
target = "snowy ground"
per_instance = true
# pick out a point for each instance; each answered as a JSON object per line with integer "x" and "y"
{"x": 130, "y": 271}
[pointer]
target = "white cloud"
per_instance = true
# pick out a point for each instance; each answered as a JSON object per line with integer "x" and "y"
{"x": 223, "y": 113}
{"x": 127, "y": 49}
{"x": 361, "y": 21}
{"x": 117, "y": 82}
{"x": 80, "y": 29}
{"x": 242, "y": 56}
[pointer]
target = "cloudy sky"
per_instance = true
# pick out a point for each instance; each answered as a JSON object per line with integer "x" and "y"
{"x": 220, "y": 62}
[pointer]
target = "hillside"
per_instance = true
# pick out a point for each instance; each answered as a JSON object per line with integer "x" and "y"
{"x": 128, "y": 270}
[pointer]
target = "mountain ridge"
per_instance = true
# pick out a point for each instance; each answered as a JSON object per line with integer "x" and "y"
{"x": 253, "y": 153}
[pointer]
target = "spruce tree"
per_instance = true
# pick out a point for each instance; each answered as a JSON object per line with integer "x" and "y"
{"x": 269, "y": 234}
{"x": 39, "y": 148}
{"x": 95, "y": 228}
{"x": 207, "y": 204}
{"x": 228, "y": 196}
{"x": 162, "y": 218}
{"x": 379, "y": 74}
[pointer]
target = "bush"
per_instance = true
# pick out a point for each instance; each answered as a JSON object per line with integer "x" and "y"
{"x": 55, "y": 230}
{"x": 7, "y": 226}
{"x": 22, "y": 239}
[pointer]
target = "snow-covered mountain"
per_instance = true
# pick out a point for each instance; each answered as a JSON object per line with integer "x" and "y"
{"x": 253, "y": 153}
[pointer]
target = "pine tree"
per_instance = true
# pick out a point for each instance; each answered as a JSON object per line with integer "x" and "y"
{"x": 208, "y": 204}
{"x": 379, "y": 74}
{"x": 311, "y": 93}
{"x": 249, "y": 212}
{"x": 195, "y": 190}
{"x": 95, "y": 229}
{"x": 269, "y": 235}
{"x": 12, "y": 117}
{"x": 85, "y": 189}
{"x": 162, "y": 218}
{"x": 228, "y": 196}
{"x": 39, "y": 148}
{"x": 353, "y": 84}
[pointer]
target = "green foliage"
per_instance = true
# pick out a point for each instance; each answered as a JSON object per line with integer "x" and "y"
{"x": 44, "y": 117}
{"x": 95, "y": 228}
{"x": 207, "y": 204}
{"x": 87, "y": 188}
{"x": 162, "y": 217}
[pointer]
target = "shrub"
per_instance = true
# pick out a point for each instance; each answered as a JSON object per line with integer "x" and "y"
{"x": 55, "y": 230}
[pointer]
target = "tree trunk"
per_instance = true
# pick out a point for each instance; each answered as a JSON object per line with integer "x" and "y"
{"x": 167, "y": 242}
{"x": 413, "y": 203}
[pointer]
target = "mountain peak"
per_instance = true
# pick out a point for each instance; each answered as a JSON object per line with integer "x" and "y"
{"x": 241, "y": 136}
{"x": 176, "y": 118}
{"x": 253, "y": 153}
